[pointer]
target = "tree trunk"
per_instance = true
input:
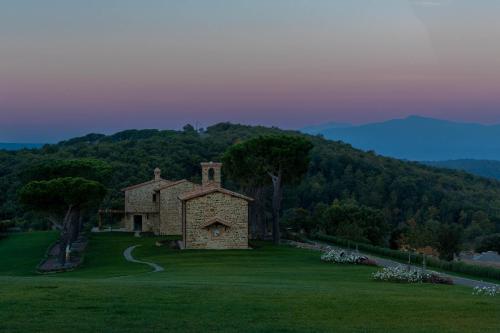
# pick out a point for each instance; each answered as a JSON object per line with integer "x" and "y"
{"x": 256, "y": 230}
{"x": 260, "y": 214}
{"x": 80, "y": 224}
{"x": 277, "y": 195}
{"x": 65, "y": 235}
{"x": 75, "y": 224}
{"x": 252, "y": 219}
{"x": 68, "y": 232}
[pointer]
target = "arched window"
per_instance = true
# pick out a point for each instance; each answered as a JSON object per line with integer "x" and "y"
{"x": 211, "y": 174}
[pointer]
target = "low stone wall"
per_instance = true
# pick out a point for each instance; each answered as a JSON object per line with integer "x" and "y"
{"x": 309, "y": 246}
{"x": 50, "y": 264}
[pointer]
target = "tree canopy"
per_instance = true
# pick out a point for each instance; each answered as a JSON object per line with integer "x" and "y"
{"x": 274, "y": 159}
{"x": 64, "y": 194}
{"x": 56, "y": 195}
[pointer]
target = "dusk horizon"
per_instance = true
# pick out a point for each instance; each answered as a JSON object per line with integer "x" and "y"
{"x": 200, "y": 126}
{"x": 68, "y": 70}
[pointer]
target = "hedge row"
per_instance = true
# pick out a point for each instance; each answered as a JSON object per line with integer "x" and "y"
{"x": 451, "y": 266}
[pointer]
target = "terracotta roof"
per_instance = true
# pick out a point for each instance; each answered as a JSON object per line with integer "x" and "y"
{"x": 216, "y": 220}
{"x": 177, "y": 182}
{"x": 207, "y": 190}
{"x": 214, "y": 164}
{"x": 143, "y": 184}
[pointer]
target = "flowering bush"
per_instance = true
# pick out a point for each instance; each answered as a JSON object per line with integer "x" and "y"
{"x": 410, "y": 275}
{"x": 399, "y": 274}
{"x": 343, "y": 257}
{"x": 487, "y": 291}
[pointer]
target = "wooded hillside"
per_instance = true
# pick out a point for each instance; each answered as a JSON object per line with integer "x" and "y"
{"x": 407, "y": 195}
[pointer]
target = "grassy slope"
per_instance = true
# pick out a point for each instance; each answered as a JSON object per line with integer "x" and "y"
{"x": 274, "y": 289}
{"x": 21, "y": 253}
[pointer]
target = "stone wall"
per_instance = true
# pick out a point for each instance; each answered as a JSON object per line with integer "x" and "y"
{"x": 215, "y": 169}
{"x": 201, "y": 209}
{"x": 171, "y": 208}
{"x": 150, "y": 222}
{"x": 140, "y": 199}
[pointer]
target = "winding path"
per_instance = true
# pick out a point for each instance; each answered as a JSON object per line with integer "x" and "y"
{"x": 128, "y": 256}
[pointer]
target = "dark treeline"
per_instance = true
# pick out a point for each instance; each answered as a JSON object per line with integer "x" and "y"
{"x": 345, "y": 192}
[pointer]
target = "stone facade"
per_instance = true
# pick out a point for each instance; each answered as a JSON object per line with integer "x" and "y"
{"x": 170, "y": 207}
{"x": 207, "y": 215}
{"x": 211, "y": 174}
{"x": 215, "y": 220}
{"x": 142, "y": 206}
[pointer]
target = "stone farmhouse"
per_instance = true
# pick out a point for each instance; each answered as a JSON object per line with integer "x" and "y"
{"x": 207, "y": 215}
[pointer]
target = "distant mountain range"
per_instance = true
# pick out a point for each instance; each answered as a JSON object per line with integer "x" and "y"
{"x": 484, "y": 168}
{"x": 418, "y": 138}
{"x": 18, "y": 146}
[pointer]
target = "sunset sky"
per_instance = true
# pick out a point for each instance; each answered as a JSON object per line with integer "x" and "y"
{"x": 68, "y": 68}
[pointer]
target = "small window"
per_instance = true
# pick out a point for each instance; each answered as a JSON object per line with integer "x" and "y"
{"x": 211, "y": 174}
{"x": 154, "y": 197}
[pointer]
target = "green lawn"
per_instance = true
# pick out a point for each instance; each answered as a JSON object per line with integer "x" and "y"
{"x": 267, "y": 289}
{"x": 21, "y": 253}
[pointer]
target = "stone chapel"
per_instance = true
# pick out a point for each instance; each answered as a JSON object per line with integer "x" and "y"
{"x": 207, "y": 215}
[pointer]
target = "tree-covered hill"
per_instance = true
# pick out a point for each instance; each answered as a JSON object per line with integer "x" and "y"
{"x": 404, "y": 193}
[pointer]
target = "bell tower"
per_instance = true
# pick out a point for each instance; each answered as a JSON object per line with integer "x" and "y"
{"x": 211, "y": 174}
{"x": 157, "y": 174}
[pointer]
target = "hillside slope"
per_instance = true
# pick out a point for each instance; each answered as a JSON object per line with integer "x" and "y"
{"x": 401, "y": 190}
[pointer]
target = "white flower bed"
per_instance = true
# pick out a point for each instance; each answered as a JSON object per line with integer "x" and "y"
{"x": 342, "y": 257}
{"x": 400, "y": 274}
{"x": 487, "y": 291}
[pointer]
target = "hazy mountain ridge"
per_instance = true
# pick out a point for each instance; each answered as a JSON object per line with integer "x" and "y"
{"x": 420, "y": 139}
{"x": 483, "y": 168}
{"x": 19, "y": 146}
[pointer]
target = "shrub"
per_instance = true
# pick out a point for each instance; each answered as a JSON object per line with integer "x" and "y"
{"x": 398, "y": 274}
{"x": 489, "y": 243}
{"x": 486, "y": 291}
{"x": 437, "y": 279}
{"x": 5, "y": 225}
{"x": 343, "y": 257}
{"x": 409, "y": 275}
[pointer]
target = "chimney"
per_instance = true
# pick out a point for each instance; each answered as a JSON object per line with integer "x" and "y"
{"x": 157, "y": 174}
{"x": 211, "y": 174}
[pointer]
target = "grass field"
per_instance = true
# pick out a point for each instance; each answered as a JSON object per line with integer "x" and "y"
{"x": 267, "y": 289}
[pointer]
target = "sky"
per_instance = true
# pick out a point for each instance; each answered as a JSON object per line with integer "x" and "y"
{"x": 68, "y": 67}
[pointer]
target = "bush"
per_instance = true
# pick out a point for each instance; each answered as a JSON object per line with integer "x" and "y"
{"x": 409, "y": 275}
{"x": 296, "y": 237}
{"x": 451, "y": 266}
{"x": 5, "y": 225}
{"x": 487, "y": 291}
{"x": 398, "y": 274}
{"x": 342, "y": 257}
{"x": 489, "y": 243}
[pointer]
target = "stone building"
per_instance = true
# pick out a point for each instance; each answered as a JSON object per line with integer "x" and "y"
{"x": 206, "y": 215}
{"x": 142, "y": 204}
{"x": 213, "y": 217}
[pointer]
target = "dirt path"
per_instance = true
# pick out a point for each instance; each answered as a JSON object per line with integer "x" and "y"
{"x": 128, "y": 256}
